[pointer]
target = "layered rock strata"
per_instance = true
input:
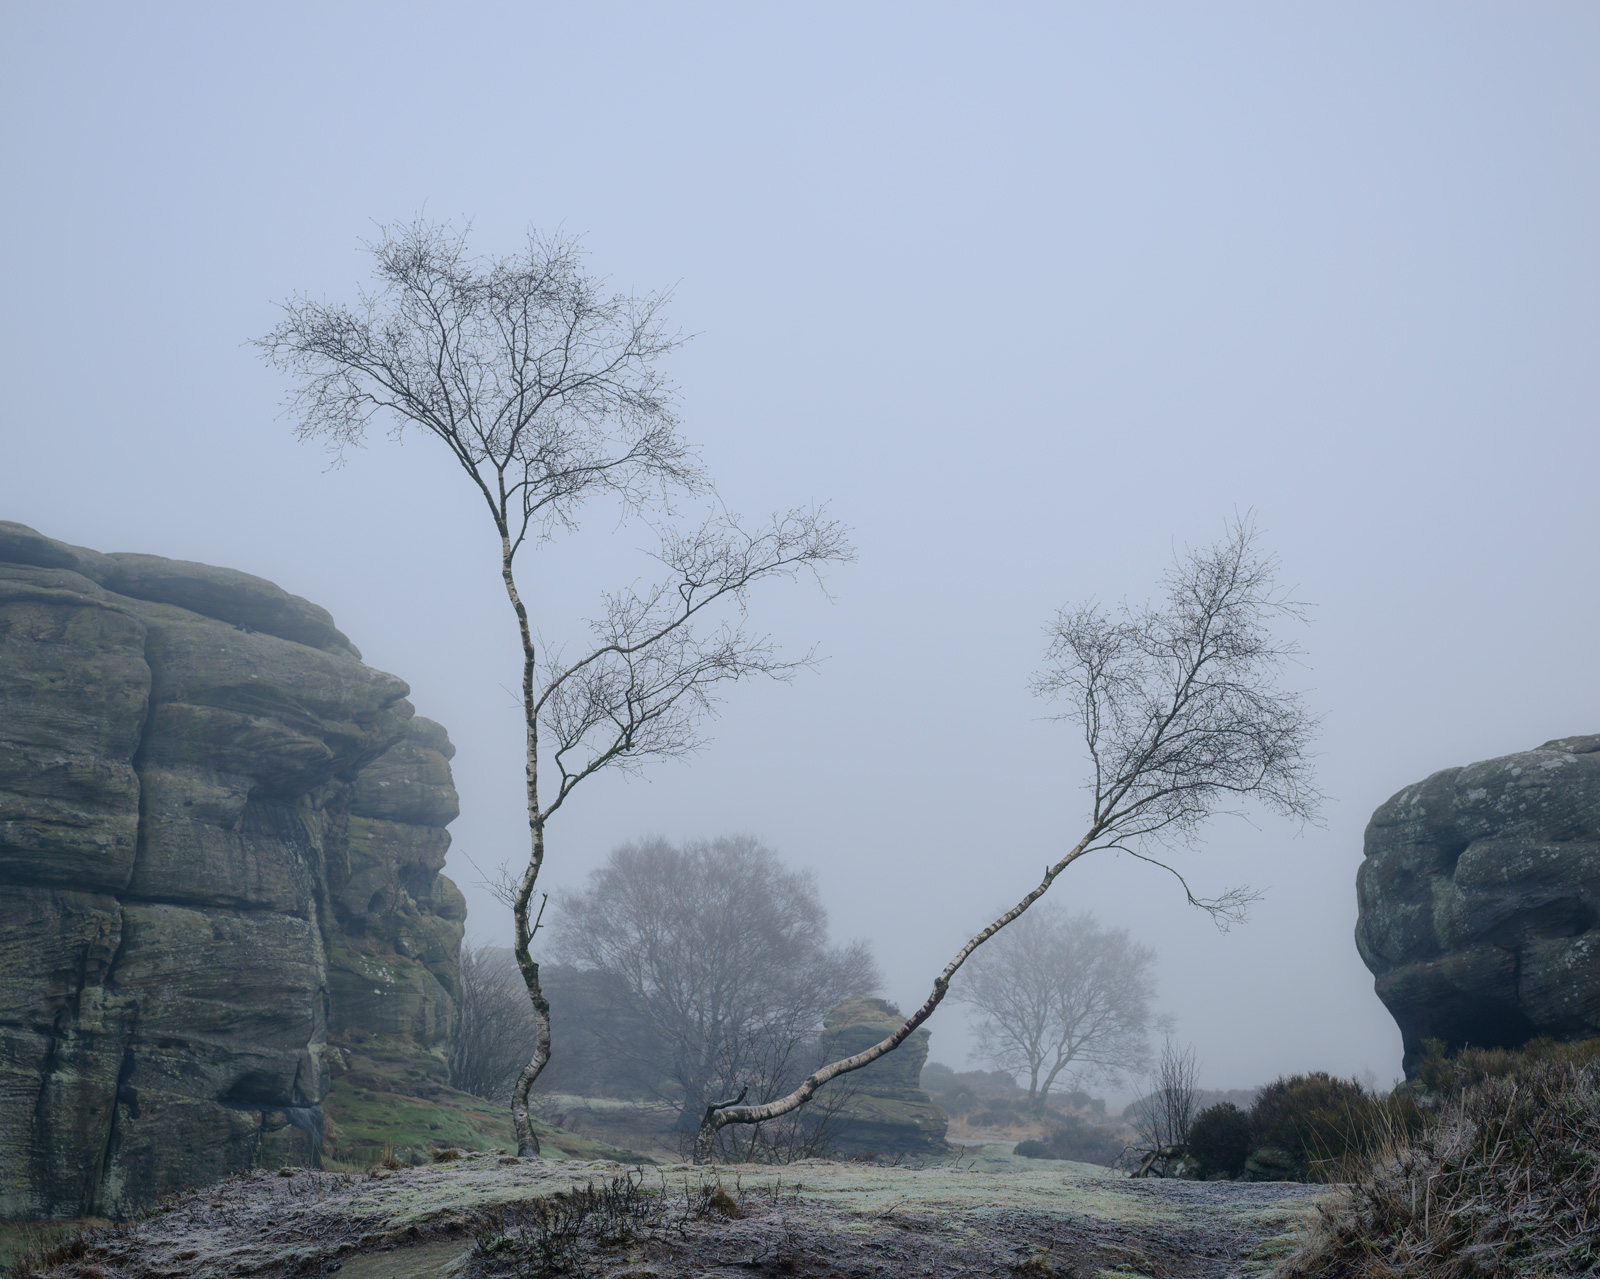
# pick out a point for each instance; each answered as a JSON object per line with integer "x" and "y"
{"x": 879, "y": 1109}
{"x": 220, "y": 839}
{"x": 1480, "y": 901}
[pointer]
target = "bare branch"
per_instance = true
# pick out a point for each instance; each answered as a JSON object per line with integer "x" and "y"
{"x": 1182, "y": 717}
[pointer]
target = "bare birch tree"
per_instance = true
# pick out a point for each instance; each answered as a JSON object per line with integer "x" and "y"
{"x": 545, "y": 392}
{"x": 1058, "y": 993}
{"x": 1182, "y": 717}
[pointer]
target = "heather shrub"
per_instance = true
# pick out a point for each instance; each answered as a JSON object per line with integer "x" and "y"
{"x": 1327, "y": 1125}
{"x": 1220, "y": 1139}
{"x": 999, "y": 1113}
{"x": 1448, "y": 1076}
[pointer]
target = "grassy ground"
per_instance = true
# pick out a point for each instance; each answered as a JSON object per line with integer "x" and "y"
{"x": 19, "y": 1237}
{"x": 386, "y": 1099}
{"x": 485, "y": 1217}
{"x": 388, "y": 1096}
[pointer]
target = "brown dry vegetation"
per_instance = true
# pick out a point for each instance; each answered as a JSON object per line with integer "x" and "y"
{"x": 1504, "y": 1183}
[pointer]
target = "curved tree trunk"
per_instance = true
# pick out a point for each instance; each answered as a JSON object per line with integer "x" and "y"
{"x": 720, "y": 1114}
{"x": 527, "y": 1139}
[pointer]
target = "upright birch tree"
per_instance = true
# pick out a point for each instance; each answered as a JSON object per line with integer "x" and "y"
{"x": 545, "y": 392}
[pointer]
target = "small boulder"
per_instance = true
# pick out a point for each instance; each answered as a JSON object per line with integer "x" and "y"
{"x": 1270, "y": 1163}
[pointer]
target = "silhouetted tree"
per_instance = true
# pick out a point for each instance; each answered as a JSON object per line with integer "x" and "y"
{"x": 545, "y": 393}
{"x": 1058, "y": 993}
{"x": 1182, "y": 717}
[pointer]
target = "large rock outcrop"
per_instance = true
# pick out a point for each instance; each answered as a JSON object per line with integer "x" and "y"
{"x": 879, "y": 1109}
{"x": 220, "y": 839}
{"x": 1480, "y": 900}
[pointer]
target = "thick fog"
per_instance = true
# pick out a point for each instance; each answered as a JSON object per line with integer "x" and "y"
{"x": 1032, "y": 295}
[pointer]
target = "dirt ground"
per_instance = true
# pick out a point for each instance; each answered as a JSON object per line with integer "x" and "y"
{"x": 490, "y": 1217}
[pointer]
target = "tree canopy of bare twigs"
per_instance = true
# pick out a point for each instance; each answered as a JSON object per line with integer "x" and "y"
{"x": 723, "y": 951}
{"x": 545, "y": 391}
{"x": 1058, "y": 994}
{"x": 1183, "y": 716}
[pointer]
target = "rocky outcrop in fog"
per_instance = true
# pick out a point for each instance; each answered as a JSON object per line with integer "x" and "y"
{"x": 220, "y": 841}
{"x": 1480, "y": 900}
{"x": 880, "y": 1108}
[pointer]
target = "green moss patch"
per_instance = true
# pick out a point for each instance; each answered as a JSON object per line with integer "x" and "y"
{"x": 390, "y": 1095}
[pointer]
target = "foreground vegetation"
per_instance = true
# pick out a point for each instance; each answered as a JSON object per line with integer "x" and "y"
{"x": 486, "y": 1216}
{"x": 1502, "y": 1180}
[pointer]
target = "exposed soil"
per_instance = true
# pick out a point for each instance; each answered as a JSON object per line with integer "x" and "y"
{"x": 481, "y": 1218}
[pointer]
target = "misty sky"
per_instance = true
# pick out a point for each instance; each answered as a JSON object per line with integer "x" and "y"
{"x": 1030, "y": 294}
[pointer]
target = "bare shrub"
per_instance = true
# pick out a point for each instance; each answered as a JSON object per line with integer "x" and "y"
{"x": 556, "y": 1234}
{"x": 1163, "y": 1116}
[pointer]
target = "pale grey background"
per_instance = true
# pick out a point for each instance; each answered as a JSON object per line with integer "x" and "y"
{"x": 1031, "y": 293}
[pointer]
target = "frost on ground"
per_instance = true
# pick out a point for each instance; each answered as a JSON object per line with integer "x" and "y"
{"x": 493, "y": 1217}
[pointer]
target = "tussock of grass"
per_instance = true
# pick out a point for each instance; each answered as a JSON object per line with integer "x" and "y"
{"x": 1504, "y": 1183}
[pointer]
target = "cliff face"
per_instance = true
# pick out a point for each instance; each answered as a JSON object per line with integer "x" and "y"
{"x": 220, "y": 839}
{"x": 1480, "y": 901}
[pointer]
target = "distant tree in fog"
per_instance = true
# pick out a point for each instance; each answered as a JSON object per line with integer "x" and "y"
{"x": 1182, "y": 717}
{"x": 723, "y": 952}
{"x": 1058, "y": 993}
{"x": 545, "y": 393}
{"x": 497, "y": 1029}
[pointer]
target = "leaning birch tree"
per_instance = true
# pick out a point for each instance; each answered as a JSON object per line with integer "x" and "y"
{"x": 545, "y": 392}
{"x": 1183, "y": 718}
